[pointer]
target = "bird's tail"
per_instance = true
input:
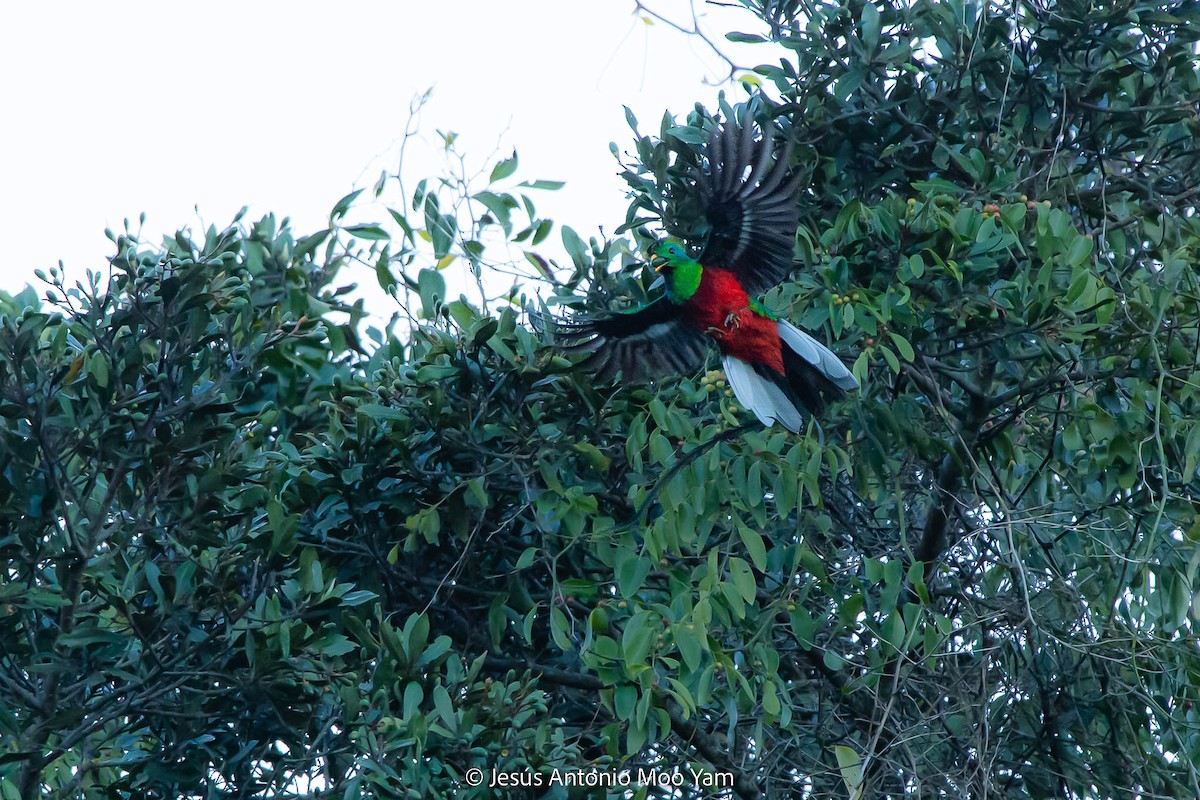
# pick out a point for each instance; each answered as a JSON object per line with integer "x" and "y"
{"x": 813, "y": 376}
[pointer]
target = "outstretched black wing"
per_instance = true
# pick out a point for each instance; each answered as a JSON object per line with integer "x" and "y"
{"x": 748, "y": 196}
{"x": 648, "y": 342}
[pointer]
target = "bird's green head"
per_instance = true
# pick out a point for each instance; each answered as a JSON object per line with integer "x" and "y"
{"x": 679, "y": 270}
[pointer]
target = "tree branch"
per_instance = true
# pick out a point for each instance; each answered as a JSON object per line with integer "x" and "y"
{"x": 711, "y": 748}
{"x": 559, "y": 677}
{"x": 949, "y": 477}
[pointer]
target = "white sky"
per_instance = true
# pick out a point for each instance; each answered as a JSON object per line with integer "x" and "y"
{"x": 113, "y": 109}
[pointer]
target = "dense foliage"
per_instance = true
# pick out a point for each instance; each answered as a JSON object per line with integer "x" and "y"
{"x": 247, "y": 554}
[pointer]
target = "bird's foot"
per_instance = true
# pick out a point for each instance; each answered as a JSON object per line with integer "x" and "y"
{"x": 734, "y": 320}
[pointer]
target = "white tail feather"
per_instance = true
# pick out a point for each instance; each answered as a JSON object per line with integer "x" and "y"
{"x": 818, "y": 355}
{"x": 768, "y": 402}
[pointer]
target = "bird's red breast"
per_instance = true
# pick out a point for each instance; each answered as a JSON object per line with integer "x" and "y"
{"x": 721, "y": 308}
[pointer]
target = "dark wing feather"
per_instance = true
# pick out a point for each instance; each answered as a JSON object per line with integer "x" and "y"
{"x": 748, "y": 196}
{"x": 646, "y": 343}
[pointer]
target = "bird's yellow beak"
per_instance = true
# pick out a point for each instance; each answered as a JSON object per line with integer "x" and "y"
{"x": 657, "y": 262}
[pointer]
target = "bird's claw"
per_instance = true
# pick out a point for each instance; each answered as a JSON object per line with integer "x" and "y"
{"x": 733, "y": 321}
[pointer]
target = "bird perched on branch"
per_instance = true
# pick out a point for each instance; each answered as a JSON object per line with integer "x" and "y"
{"x": 748, "y": 198}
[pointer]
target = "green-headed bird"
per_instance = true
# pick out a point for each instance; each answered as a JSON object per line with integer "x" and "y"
{"x": 749, "y": 201}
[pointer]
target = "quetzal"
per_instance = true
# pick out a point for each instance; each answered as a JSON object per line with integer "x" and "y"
{"x": 748, "y": 198}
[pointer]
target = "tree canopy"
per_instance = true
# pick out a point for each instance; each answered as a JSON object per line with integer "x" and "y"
{"x": 254, "y": 547}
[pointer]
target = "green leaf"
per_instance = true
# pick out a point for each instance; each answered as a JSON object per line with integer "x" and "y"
{"x": 592, "y": 455}
{"x": 743, "y": 578}
{"x": 372, "y": 233}
{"x": 935, "y": 186}
{"x": 431, "y": 287}
{"x": 630, "y": 119}
{"x": 1191, "y": 451}
{"x": 504, "y": 169}
{"x": 870, "y": 26}
{"x": 906, "y": 349}
{"x": 890, "y": 358}
{"x": 850, "y": 765}
{"x": 442, "y": 228}
{"x": 660, "y": 448}
{"x": 893, "y": 632}
{"x": 306, "y": 245}
{"x": 636, "y": 639}
{"x": 88, "y": 637}
{"x": 414, "y": 694}
{"x": 916, "y": 265}
{"x": 445, "y": 707}
{"x": 625, "y": 699}
{"x": 560, "y": 630}
{"x": 377, "y": 411}
{"x": 755, "y": 545}
{"x": 861, "y": 368}
{"x": 690, "y": 645}
{"x": 499, "y": 206}
{"x": 549, "y": 186}
{"x": 526, "y": 558}
{"x": 804, "y": 626}
{"x": 632, "y": 570}
{"x": 1079, "y": 251}
{"x": 383, "y": 275}
{"x": 770, "y": 699}
{"x": 342, "y": 206}
{"x": 688, "y": 134}
{"x": 576, "y": 248}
